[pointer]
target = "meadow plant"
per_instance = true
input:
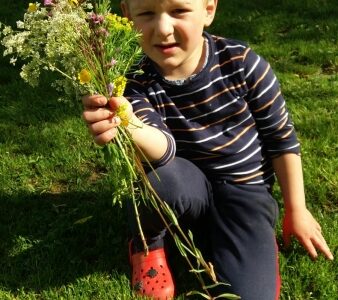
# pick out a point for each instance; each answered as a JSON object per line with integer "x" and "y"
{"x": 93, "y": 50}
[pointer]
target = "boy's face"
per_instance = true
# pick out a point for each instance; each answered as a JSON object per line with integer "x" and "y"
{"x": 172, "y": 32}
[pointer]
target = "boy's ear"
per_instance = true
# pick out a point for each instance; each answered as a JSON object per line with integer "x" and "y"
{"x": 125, "y": 9}
{"x": 210, "y": 10}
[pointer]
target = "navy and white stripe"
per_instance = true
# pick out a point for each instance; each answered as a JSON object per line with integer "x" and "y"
{"x": 230, "y": 119}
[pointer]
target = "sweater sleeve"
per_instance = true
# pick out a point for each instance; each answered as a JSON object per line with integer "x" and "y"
{"x": 268, "y": 106}
{"x": 145, "y": 111}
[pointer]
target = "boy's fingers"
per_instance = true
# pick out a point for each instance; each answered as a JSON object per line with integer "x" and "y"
{"x": 98, "y": 128}
{"x": 308, "y": 245}
{"x": 94, "y": 101}
{"x": 115, "y": 102}
{"x": 105, "y": 137}
{"x": 321, "y": 245}
{"x": 317, "y": 243}
{"x": 96, "y": 115}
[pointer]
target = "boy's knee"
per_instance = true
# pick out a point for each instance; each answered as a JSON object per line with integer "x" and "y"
{"x": 183, "y": 186}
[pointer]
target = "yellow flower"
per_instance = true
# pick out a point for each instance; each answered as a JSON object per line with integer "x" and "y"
{"x": 124, "y": 21}
{"x": 32, "y": 7}
{"x": 84, "y": 76}
{"x": 118, "y": 23}
{"x": 119, "y": 86}
{"x": 122, "y": 112}
{"x": 110, "y": 17}
{"x": 73, "y": 2}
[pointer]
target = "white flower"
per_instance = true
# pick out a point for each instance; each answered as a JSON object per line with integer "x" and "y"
{"x": 7, "y": 30}
{"x": 13, "y": 60}
{"x": 20, "y": 25}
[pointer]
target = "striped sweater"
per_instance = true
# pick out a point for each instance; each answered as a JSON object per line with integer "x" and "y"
{"x": 229, "y": 119}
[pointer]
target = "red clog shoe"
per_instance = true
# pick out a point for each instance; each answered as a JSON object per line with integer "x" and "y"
{"x": 151, "y": 276}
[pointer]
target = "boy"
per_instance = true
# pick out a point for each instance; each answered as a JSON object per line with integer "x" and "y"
{"x": 214, "y": 124}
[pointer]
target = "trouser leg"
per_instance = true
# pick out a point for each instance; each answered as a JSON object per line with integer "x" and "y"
{"x": 244, "y": 250}
{"x": 186, "y": 190}
{"x": 240, "y": 226}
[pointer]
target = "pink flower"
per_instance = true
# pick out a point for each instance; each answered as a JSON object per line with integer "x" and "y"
{"x": 103, "y": 31}
{"x": 47, "y": 2}
{"x": 96, "y": 19}
{"x": 113, "y": 62}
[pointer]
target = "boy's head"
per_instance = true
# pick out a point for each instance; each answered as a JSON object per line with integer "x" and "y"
{"x": 172, "y": 32}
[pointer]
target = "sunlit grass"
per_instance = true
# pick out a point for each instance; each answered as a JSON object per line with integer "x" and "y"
{"x": 60, "y": 235}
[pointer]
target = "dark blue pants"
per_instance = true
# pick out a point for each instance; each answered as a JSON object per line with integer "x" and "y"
{"x": 237, "y": 222}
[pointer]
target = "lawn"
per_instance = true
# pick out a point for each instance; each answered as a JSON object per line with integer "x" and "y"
{"x": 60, "y": 236}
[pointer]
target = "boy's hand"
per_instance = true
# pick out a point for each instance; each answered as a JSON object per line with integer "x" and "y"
{"x": 101, "y": 118}
{"x": 306, "y": 229}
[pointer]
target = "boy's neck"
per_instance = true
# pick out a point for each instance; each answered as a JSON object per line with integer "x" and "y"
{"x": 184, "y": 72}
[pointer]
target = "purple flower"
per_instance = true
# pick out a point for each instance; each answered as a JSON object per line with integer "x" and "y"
{"x": 47, "y": 2}
{"x": 100, "y": 19}
{"x": 96, "y": 19}
{"x": 110, "y": 88}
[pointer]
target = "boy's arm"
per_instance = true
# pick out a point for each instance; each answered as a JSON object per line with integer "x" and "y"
{"x": 102, "y": 123}
{"x": 151, "y": 141}
{"x": 298, "y": 221}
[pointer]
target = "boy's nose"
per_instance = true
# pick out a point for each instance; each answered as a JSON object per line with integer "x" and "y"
{"x": 164, "y": 26}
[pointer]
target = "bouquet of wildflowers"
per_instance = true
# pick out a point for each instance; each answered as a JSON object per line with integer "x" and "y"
{"x": 93, "y": 50}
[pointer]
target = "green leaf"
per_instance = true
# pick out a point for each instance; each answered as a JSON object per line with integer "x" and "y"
{"x": 192, "y": 293}
{"x": 83, "y": 220}
{"x": 211, "y": 286}
{"x": 197, "y": 271}
{"x": 180, "y": 246}
{"x": 170, "y": 214}
{"x": 227, "y": 296}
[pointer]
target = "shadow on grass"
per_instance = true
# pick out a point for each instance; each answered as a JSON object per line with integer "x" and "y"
{"x": 50, "y": 240}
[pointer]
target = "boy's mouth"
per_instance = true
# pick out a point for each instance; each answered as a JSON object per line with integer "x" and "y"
{"x": 166, "y": 48}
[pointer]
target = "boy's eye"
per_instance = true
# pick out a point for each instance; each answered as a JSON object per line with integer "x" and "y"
{"x": 145, "y": 14}
{"x": 180, "y": 11}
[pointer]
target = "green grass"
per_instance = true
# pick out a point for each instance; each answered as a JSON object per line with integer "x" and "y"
{"x": 60, "y": 237}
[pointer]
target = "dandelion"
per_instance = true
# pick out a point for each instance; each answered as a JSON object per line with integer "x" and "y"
{"x": 32, "y": 7}
{"x": 119, "y": 86}
{"x": 84, "y": 76}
